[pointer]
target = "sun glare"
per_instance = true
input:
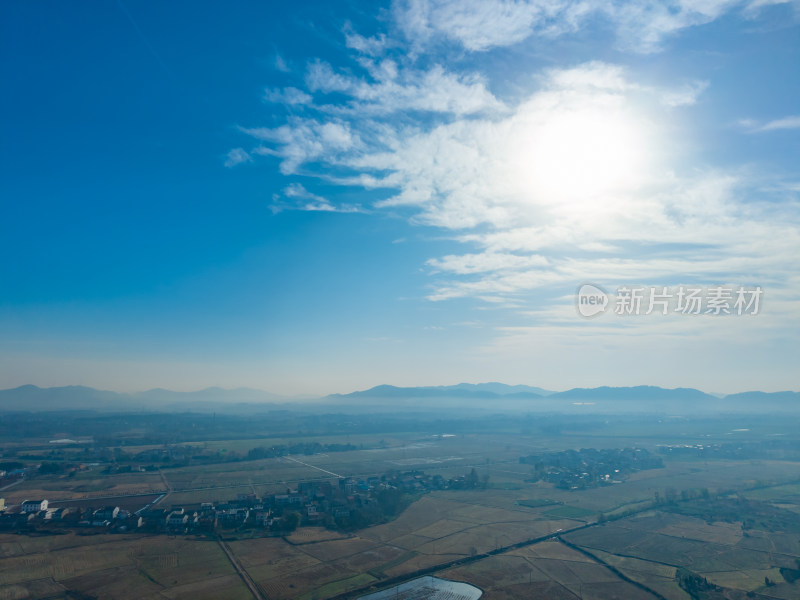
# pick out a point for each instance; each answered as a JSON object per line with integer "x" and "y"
{"x": 581, "y": 158}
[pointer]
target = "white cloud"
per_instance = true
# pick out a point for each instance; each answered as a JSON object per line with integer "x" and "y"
{"x": 468, "y": 264}
{"x": 393, "y": 88}
{"x": 792, "y": 122}
{"x": 281, "y": 64}
{"x": 304, "y": 140}
{"x": 594, "y": 75}
{"x": 754, "y": 126}
{"x": 685, "y": 95}
{"x": 321, "y": 77}
{"x": 643, "y": 25}
{"x": 372, "y": 46}
{"x": 237, "y": 156}
{"x": 479, "y": 25}
{"x": 297, "y": 197}
{"x": 756, "y": 5}
{"x": 289, "y": 95}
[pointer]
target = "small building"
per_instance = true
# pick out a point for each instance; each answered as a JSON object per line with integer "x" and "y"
{"x": 177, "y": 519}
{"x": 34, "y": 506}
{"x": 341, "y": 511}
{"x": 108, "y": 513}
{"x": 57, "y": 514}
{"x": 348, "y": 485}
{"x": 207, "y": 522}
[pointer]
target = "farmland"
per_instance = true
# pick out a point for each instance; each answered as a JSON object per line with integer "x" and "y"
{"x": 723, "y": 521}
{"x": 109, "y": 566}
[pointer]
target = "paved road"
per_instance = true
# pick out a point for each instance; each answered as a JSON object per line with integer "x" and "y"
{"x": 313, "y": 467}
{"x": 12, "y": 484}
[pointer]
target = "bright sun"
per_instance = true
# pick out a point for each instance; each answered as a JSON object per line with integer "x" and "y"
{"x": 581, "y": 158}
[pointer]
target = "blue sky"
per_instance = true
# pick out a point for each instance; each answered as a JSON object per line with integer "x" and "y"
{"x": 320, "y": 197}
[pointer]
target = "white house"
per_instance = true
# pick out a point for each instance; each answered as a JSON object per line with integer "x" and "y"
{"x": 33, "y": 506}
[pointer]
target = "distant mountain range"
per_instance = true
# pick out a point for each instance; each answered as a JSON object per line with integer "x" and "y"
{"x": 76, "y": 397}
{"x": 483, "y": 396}
{"x": 645, "y": 398}
{"x": 462, "y": 390}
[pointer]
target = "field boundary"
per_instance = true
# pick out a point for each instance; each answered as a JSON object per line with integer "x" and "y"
{"x": 612, "y": 568}
{"x": 245, "y": 576}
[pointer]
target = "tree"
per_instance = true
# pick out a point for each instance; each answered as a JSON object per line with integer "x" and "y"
{"x": 389, "y": 501}
{"x": 472, "y": 479}
{"x": 292, "y": 520}
{"x": 287, "y": 523}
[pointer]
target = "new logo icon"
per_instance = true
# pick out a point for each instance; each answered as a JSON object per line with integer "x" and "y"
{"x": 591, "y": 300}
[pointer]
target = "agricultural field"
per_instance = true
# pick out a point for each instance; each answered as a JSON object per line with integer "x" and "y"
{"x": 88, "y": 484}
{"x": 651, "y": 546}
{"x": 546, "y": 570}
{"x": 514, "y": 537}
{"x": 114, "y": 566}
{"x": 433, "y": 531}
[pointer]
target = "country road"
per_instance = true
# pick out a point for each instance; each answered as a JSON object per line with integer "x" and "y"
{"x": 248, "y": 581}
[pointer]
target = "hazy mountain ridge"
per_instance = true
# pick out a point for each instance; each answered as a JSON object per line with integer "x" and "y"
{"x": 635, "y": 393}
{"x": 34, "y": 398}
{"x": 466, "y": 390}
{"x": 602, "y": 399}
{"x": 483, "y": 396}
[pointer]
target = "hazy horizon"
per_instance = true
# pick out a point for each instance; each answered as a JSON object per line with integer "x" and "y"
{"x": 343, "y": 392}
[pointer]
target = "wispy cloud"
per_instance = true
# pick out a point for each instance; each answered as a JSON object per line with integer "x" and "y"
{"x": 479, "y": 25}
{"x": 237, "y": 156}
{"x": 372, "y": 46}
{"x": 289, "y": 95}
{"x": 281, "y": 64}
{"x": 393, "y": 88}
{"x": 468, "y": 264}
{"x": 792, "y": 122}
{"x": 296, "y": 197}
{"x": 475, "y": 24}
{"x": 303, "y": 140}
{"x": 685, "y": 95}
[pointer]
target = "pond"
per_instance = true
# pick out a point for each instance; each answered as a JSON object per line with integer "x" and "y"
{"x": 428, "y": 588}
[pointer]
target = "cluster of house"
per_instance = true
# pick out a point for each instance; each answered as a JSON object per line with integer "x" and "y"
{"x": 314, "y": 501}
{"x": 589, "y": 467}
{"x": 39, "y": 512}
{"x": 10, "y": 476}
